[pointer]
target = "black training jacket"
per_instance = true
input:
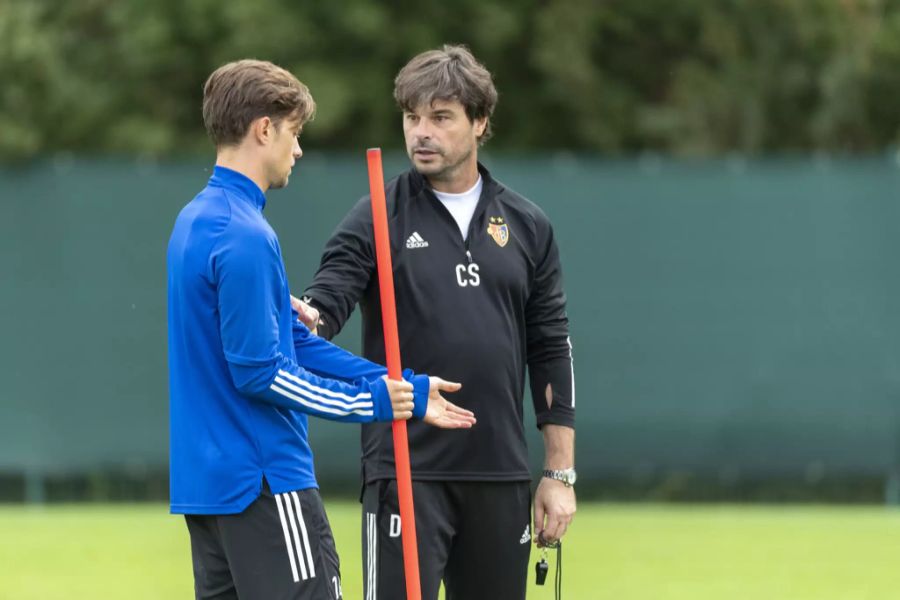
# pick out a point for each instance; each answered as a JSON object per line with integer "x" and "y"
{"x": 476, "y": 312}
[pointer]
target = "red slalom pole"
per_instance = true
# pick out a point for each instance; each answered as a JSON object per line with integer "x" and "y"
{"x": 392, "y": 352}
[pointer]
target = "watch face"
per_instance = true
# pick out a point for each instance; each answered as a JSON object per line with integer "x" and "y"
{"x": 571, "y": 476}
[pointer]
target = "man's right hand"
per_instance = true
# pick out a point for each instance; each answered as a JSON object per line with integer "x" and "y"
{"x": 308, "y": 315}
{"x": 401, "y": 393}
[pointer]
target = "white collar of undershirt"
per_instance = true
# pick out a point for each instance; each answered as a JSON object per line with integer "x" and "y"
{"x": 462, "y": 206}
{"x": 475, "y": 190}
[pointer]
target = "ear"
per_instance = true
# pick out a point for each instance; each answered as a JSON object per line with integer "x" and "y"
{"x": 480, "y": 126}
{"x": 262, "y": 130}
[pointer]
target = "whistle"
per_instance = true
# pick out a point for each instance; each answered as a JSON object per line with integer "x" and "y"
{"x": 540, "y": 572}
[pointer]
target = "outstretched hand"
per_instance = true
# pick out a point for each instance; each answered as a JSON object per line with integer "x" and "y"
{"x": 443, "y": 413}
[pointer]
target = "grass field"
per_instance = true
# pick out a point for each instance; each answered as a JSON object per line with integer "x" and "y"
{"x": 645, "y": 552}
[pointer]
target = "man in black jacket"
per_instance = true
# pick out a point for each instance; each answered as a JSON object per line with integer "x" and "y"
{"x": 479, "y": 297}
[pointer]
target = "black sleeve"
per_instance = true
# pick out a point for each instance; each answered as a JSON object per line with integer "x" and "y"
{"x": 347, "y": 265}
{"x": 547, "y": 337}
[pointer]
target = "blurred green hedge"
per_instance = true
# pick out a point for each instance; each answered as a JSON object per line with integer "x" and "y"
{"x": 691, "y": 77}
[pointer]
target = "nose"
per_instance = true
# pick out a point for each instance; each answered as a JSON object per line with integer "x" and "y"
{"x": 422, "y": 130}
{"x": 298, "y": 152}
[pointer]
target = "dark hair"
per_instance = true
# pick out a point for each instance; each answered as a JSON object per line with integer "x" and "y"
{"x": 451, "y": 73}
{"x": 239, "y": 92}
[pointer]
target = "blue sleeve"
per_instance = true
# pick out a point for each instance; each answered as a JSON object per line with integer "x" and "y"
{"x": 326, "y": 359}
{"x": 248, "y": 275}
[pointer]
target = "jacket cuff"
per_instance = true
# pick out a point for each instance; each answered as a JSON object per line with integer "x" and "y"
{"x": 421, "y": 387}
{"x": 381, "y": 400}
{"x": 564, "y": 418}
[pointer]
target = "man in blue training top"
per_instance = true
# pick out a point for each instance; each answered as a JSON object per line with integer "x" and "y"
{"x": 244, "y": 372}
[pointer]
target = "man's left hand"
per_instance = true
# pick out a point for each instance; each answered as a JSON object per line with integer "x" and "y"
{"x": 443, "y": 413}
{"x": 554, "y": 508}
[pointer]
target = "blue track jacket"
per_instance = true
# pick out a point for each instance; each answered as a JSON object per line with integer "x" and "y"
{"x": 243, "y": 371}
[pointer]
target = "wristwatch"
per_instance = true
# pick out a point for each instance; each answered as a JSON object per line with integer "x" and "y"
{"x": 567, "y": 476}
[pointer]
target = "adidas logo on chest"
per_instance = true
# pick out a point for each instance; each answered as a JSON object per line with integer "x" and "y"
{"x": 416, "y": 241}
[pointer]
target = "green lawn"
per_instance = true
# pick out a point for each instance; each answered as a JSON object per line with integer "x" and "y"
{"x": 641, "y": 552}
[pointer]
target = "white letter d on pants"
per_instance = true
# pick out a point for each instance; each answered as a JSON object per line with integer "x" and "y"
{"x": 395, "y": 526}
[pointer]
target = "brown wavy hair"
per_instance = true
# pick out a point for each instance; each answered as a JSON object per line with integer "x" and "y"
{"x": 451, "y": 73}
{"x": 240, "y": 92}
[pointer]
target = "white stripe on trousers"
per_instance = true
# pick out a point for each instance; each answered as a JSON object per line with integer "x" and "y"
{"x": 309, "y": 559}
{"x": 287, "y": 538}
{"x": 371, "y": 556}
{"x": 289, "y": 526}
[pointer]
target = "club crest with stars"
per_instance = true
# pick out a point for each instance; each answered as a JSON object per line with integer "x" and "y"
{"x": 499, "y": 230}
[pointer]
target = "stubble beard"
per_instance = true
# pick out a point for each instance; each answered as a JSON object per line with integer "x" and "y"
{"x": 442, "y": 172}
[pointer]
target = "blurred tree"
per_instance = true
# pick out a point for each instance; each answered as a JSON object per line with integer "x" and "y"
{"x": 611, "y": 76}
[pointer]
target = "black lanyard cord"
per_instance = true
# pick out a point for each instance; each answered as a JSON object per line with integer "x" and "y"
{"x": 542, "y": 567}
{"x": 559, "y": 571}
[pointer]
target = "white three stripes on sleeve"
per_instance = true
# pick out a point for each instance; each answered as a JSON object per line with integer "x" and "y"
{"x": 321, "y": 399}
{"x": 571, "y": 369}
{"x": 295, "y": 550}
